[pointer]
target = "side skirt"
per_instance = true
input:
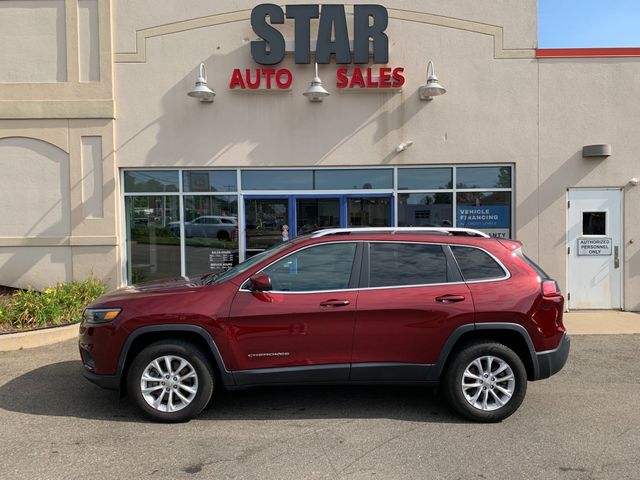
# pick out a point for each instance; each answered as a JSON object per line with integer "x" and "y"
{"x": 343, "y": 373}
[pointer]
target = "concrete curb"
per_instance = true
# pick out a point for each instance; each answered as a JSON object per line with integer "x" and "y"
{"x": 37, "y": 338}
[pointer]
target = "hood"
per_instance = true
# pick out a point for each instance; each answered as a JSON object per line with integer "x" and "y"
{"x": 157, "y": 287}
{"x": 167, "y": 283}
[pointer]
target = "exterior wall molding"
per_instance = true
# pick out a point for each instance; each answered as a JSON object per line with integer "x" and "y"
{"x": 4, "y": 135}
{"x": 53, "y": 109}
{"x": 66, "y": 241}
{"x": 497, "y": 32}
{"x": 71, "y": 98}
{"x": 587, "y": 52}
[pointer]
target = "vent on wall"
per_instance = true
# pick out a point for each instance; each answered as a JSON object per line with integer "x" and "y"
{"x": 601, "y": 150}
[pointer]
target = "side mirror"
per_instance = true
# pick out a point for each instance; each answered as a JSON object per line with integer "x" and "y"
{"x": 260, "y": 282}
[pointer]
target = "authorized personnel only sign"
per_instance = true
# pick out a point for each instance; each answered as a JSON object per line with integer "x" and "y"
{"x": 594, "y": 246}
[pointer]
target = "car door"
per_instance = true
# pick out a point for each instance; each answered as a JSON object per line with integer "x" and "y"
{"x": 413, "y": 299}
{"x": 302, "y": 329}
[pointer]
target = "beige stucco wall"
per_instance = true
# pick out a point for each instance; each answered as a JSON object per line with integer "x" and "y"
{"x": 55, "y": 89}
{"x": 585, "y": 102}
{"x": 489, "y": 114}
{"x": 502, "y": 106}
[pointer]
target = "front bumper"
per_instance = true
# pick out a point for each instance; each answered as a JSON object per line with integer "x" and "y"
{"x": 109, "y": 382}
{"x": 552, "y": 361}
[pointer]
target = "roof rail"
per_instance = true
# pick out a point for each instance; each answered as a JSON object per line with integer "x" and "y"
{"x": 448, "y": 230}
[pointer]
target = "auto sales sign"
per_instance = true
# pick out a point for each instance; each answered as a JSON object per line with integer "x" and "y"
{"x": 333, "y": 42}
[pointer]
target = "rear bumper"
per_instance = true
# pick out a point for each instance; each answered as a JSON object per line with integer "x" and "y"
{"x": 109, "y": 382}
{"x": 552, "y": 361}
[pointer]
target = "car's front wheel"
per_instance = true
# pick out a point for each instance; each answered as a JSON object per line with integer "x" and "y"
{"x": 170, "y": 381}
{"x": 485, "y": 382}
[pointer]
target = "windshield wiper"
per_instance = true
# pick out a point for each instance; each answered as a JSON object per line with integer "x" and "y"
{"x": 209, "y": 278}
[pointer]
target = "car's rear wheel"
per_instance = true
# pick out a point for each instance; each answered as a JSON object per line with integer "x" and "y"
{"x": 170, "y": 381}
{"x": 223, "y": 236}
{"x": 485, "y": 382}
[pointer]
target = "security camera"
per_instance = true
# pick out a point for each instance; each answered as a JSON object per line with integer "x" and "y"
{"x": 634, "y": 182}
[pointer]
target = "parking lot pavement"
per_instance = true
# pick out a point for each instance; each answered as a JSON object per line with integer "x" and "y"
{"x": 582, "y": 423}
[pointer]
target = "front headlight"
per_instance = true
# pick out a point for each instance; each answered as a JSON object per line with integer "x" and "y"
{"x": 100, "y": 315}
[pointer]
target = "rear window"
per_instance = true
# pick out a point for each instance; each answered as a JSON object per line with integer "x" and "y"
{"x": 398, "y": 264}
{"x": 476, "y": 264}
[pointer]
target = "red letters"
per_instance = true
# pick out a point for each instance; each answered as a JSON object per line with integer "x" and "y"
{"x": 267, "y": 76}
{"x": 288, "y": 79}
{"x": 250, "y": 84}
{"x": 282, "y": 79}
{"x": 386, "y": 78}
{"x": 236, "y": 79}
{"x": 398, "y": 77}
{"x": 343, "y": 79}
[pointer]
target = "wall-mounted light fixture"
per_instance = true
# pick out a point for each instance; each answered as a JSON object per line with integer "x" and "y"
{"x": 432, "y": 88}
{"x": 201, "y": 91}
{"x": 600, "y": 150}
{"x": 316, "y": 92}
{"x": 403, "y": 146}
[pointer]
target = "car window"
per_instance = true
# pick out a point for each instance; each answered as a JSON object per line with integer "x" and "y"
{"x": 476, "y": 264}
{"x": 226, "y": 220}
{"x": 321, "y": 267}
{"x": 395, "y": 264}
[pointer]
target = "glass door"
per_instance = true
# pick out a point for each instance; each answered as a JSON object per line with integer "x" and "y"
{"x": 369, "y": 211}
{"x": 276, "y": 218}
{"x": 316, "y": 213}
{"x": 266, "y": 222}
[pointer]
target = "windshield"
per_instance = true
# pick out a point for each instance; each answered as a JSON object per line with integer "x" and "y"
{"x": 247, "y": 264}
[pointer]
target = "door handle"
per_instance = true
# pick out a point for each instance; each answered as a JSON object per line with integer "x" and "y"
{"x": 450, "y": 298}
{"x": 616, "y": 257}
{"x": 335, "y": 303}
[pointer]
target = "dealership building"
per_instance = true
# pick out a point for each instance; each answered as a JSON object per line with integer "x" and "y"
{"x": 155, "y": 138}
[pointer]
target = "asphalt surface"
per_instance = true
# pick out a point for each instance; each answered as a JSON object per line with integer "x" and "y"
{"x": 583, "y": 423}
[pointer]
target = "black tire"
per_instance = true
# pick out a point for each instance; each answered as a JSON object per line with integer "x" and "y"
{"x": 197, "y": 361}
{"x": 223, "y": 236}
{"x": 492, "y": 411}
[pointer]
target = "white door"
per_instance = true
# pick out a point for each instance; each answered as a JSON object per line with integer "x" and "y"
{"x": 594, "y": 237}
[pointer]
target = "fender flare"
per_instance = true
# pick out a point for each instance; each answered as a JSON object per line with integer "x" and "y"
{"x": 227, "y": 377}
{"x": 461, "y": 330}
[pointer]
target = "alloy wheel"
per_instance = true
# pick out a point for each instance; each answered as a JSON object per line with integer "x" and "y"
{"x": 169, "y": 383}
{"x": 488, "y": 383}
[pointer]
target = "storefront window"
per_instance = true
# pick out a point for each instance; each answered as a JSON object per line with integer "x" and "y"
{"x": 316, "y": 213}
{"x": 483, "y": 177}
{"x": 353, "y": 179}
{"x": 325, "y": 179}
{"x": 425, "y": 178}
{"x": 153, "y": 249}
{"x": 425, "y": 210}
{"x": 211, "y": 233}
{"x": 265, "y": 220}
{"x": 486, "y": 211}
{"x": 277, "y": 179}
{"x": 151, "y": 181}
{"x": 279, "y": 204}
{"x": 209, "y": 181}
{"x": 369, "y": 212}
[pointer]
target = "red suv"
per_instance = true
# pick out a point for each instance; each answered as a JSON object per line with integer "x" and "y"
{"x": 384, "y": 306}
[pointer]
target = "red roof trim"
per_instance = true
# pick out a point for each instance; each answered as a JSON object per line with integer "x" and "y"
{"x": 587, "y": 52}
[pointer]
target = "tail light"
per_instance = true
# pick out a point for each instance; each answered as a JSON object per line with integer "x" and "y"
{"x": 550, "y": 288}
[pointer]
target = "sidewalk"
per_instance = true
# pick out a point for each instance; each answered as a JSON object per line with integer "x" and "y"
{"x": 601, "y": 322}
